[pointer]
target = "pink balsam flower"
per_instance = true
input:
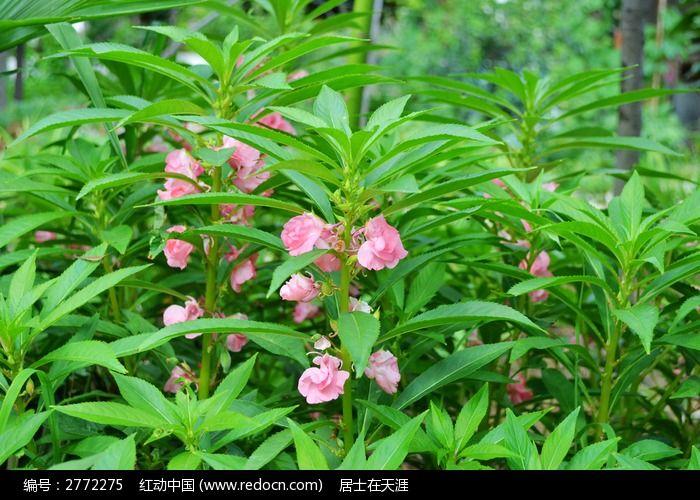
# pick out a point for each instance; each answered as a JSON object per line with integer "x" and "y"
{"x": 178, "y": 377}
{"x": 299, "y": 288}
{"x": 325, "y": 383}
{"x": 243, "y": 156}
{"x": 276, "y": 122}
{"x": 518, "y": 391}
{"x": 177, "y": 252}
{"x": 44, "y": 236}
{"x": 178, "y": 314}
{"x": 301, "y": 233}
{"x": 550, "y": 186}
{"x": 540, "y": 269}
{"x": 243, "y": 272}
{"x": 180, "y": 162}
{"x": 304, "y": 311}
{"x": 383, "y": 367}
{"x": 236, "y": 341}
{"x": 382, "y": 247}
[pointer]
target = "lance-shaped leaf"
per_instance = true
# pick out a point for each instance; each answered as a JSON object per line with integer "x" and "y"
{"x": 290, "y": 266}
{"x": 456, "y": 366}
{"x": 309, "y": 456}
{"x": 86, "y": 351}
{"x": 390, "y": 453}
{"x": 641, "y": 319}
{"x": 471, "y": 311}
{"x": 557, "y": 444}
{"x": 358, "y": 331}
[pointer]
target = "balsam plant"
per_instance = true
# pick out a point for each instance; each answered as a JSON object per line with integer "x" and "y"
{"x": 455, "y": 301}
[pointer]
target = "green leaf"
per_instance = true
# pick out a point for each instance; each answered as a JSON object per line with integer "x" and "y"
{"x": 634, "y": 143}
{"x": 91, "y": 352}
{"x": 309, "y": 456}
{"x": 330, "y": 107}
{"x": 239, "y": 234}
{"x": 390, "y": 453}
{"x": 232, "y": 385}
{"x": 20, "y": 431}
{"x": 224, "y": 462}
{"x": 475, "y": 311}
{"x": 186, "y": 460}
{"x": 109, "y": 413}
{"x": 549, "y": 282}
{"x": 557, "y": 444}
{"x": 593, "y": 456}
{"x": 290, "y": 266}
{"x": 86, "y": 294}
{"x": 356, "y": 458}
{"x": 118, "y": 237}
{"x": 21, "y": 225}
{"x": 456, "y": 366}
{"x": 486, "y": 451}
{"x": 73, "y": 277}
{"x": 72, "y": 118}
{"x": 11, "y": 395}
{"x": 523, "y": 346}
{"x": 424, "y": 286}
{"x": 641, "y": 319}
{"x": 471, "y": 416}
{"x": 387, "y": 112}
{"x": 688, "y": 389}
{"x": 234, "y": 198}
{"x": 358, "y": 332}
{"x": 166, "y": 107}
{"x": 145, "y": 396}
{"x": 650, "y": 450}
{"x": 517, "y": 441}
{"x": 146, "y": 341}
{"x": 118, "y": 456}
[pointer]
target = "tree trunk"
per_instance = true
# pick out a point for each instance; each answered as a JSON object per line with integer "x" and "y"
{"x": 630, "y": 115}
{"x": 19, "y": 76}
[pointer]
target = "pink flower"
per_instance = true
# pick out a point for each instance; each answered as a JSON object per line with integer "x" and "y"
{"x": 325, "y": 383}
{"x": 178, "y": 378}
{"x": 248, "y": 178}
{"x": 237, "y": 214}
{"x": 276, "y": 122}
{"x": 550, "y": 186}
{"x": 301, "y": 233}
{"x": 384, "y": 369}
{"x": 304, "y": 311}
{"x": 328, "y": 263}
{"x": 243, "y": 156}
{"x": 499, "y": 183}
{"x": 236, "y": 341}
{"x": 176, "y": 188}
{"x": 180, "y": 162}
{"x": 299, "y": 288}
{"x": 44, "y": 236}
{"x": 518, "y": 391}
{"x": 242, "y": 272}
{"x": 359, "y": 305}
{"x": 322, "y": 344}
{"x": 177, "y": 252}
{"x": 539, "y": 268}
{"x": 178, "y": 314}
{"x": 382, "y": 247}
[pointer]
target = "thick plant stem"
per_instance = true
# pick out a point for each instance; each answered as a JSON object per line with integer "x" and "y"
{"x": 607, "y": 382}
{"x": 113, "y": 300}
{"x": 210, "y": 297}
{"x": 355, "y": 94}
{"x": 343, "y": 306}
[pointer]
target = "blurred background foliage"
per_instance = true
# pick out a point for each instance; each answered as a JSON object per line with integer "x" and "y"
{"x": 443, "y": 38}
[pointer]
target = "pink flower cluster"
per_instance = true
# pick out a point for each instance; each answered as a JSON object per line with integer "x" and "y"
{"x": 326, "y": 381}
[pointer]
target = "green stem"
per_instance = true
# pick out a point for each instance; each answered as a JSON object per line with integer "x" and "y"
{"x": 113, "y": 299}
{"x": 210, "y": 297}
{"x": 607, "y": 382}
{"x": 343, "y": 306}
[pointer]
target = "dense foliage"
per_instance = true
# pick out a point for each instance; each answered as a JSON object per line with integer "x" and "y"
{"x": 219, "y": 262}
